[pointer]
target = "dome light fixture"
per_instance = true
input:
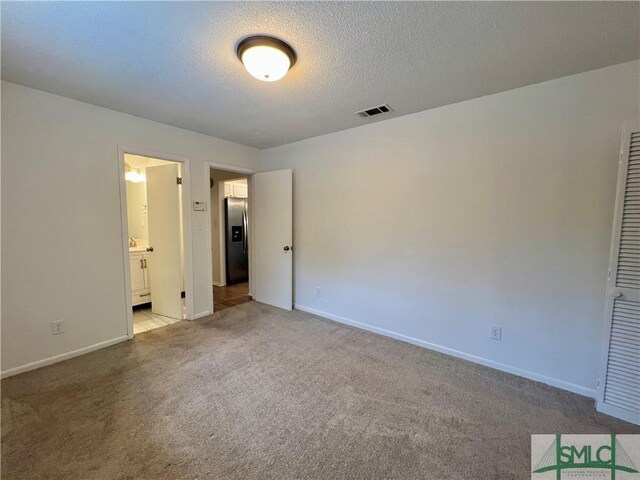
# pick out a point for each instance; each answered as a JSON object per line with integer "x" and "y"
{"x": 266, "y": 58}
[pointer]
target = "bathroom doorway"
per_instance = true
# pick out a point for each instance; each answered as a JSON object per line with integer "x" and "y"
{"x": 155, "y": 240}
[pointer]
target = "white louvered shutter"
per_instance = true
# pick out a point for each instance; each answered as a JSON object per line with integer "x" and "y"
{"x": 620, "y": 392}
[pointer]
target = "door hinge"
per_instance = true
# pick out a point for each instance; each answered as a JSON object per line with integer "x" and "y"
{"x": 179, "y": 179}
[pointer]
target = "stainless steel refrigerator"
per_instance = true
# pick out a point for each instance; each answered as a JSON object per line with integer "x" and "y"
{"x": 237, "y": 245}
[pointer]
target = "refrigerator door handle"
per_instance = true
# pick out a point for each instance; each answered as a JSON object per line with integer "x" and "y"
{"x": 244, "y": 228}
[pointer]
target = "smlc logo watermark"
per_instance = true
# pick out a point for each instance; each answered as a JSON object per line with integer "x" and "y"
{"x": 561, "y": 457}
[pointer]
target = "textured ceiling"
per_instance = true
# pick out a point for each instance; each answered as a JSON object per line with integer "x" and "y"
{"x": 174, "y": 62}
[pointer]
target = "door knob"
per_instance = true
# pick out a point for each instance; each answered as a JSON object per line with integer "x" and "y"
{"x": 286, "y": 248}
{"x": 615, "y": 293}
{"x": 149, "y": 249}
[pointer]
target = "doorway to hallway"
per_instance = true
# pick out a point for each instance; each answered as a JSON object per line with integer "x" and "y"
{"x": 230, "y": 238}
{"x": 264, "y": 240}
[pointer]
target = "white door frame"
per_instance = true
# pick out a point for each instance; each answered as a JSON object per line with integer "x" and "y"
{"x": 241, "y": 170}
{"x": 221, "y": 232}
{"x": 186, "y": 226}
{"x": 223, "y": 237}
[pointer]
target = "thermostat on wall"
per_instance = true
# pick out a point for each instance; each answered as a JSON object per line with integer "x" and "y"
{"x": 199, "y": 206}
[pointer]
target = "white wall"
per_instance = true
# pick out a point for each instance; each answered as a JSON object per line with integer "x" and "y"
{"x": 61, "y": 228}
{"x": 496, "y": 210}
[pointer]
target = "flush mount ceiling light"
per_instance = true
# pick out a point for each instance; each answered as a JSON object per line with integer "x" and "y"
{"x": 266, "y": 58}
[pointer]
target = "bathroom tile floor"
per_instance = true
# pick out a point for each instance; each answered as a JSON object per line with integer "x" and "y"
{"x": 144, "y": 320}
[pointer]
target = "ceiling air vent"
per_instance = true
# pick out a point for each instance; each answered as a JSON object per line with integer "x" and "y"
{"x": 371, "y": 112}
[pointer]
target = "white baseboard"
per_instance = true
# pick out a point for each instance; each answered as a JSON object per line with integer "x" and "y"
{"x": 201, "y": 314}
{"x": 63, "y": 356}
{"x": 554, "y": 382}
{"x": 218, "y": 284}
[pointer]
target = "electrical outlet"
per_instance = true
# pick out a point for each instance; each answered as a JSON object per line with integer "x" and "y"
{"x": 318, "y": 292}
{"x": 57, "y": 327}
{"x": 496, "y": 332}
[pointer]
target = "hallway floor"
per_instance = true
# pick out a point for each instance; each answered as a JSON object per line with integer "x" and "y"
{"x": 230, "y": 296}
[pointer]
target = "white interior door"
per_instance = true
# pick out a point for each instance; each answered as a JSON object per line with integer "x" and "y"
{"x": 619, "y": 389}
{"x": 272, "y": 215}
{"x": 165, "y": 237}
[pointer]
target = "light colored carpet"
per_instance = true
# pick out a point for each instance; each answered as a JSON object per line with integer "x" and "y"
{"x": 257, "y": 393}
